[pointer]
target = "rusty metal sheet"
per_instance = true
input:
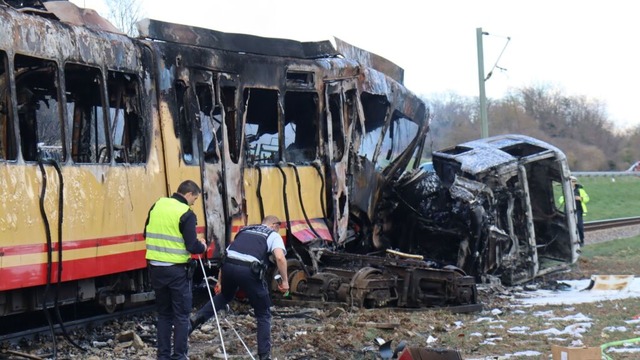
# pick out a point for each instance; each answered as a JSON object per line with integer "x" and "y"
{"x": 213, "y": 39}
{"x": 69, "y": 13}
{"x": 371, "y": 60}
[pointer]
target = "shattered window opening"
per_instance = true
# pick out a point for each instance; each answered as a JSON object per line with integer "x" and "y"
{"x": 83, "y": 86}
{"x": 128, "y": 127}
{"x": 396, "y": 139}
{"x": 402, "y": 131}
{"x": 375, "y": 109}
{"x": 301, "y": 130}
{"x": 261, "y": 129}
{"x": 38, "y": 112}
{"x": 8, "y": 147}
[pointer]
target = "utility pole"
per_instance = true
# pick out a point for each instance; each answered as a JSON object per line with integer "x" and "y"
{"x": 481, "y": 81}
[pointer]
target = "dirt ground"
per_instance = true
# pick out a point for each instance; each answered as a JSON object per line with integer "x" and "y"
{"x": 500, "y": 331}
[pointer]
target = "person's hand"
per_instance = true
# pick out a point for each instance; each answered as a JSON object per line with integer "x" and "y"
{"x": 203, "y": 242}
{"x": 578, "y": 197}
{"x": 283, "y": 287}
{"x": 217, "y": 288}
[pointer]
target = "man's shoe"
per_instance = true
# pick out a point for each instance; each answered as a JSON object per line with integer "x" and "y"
{"x": 195, "y": 322}
{"x": 264, "y": 356}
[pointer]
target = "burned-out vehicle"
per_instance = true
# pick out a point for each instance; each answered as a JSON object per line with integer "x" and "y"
{"x": 485, "y": 208}
{"x": 489, "y": 209}
{"x": 95, "y": 126}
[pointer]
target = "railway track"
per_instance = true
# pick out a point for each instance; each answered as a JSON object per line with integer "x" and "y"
{"x": 611, "y": 223}
{"x": 70, "y": 326}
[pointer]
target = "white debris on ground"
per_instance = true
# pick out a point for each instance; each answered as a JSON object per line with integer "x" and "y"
{"x": 570, "y": 326}
{"x": 576, "y": 294}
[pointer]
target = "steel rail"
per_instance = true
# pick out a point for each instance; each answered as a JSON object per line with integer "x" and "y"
{"x": 611, "y": 223}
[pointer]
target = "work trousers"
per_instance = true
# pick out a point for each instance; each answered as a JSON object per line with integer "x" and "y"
{"x": 173, "y": 301}
{"x": 236, "y": 277}
{"x": 580, "y": 225}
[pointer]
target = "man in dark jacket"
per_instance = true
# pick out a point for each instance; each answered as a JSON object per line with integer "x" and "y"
{"x": 170, "y": 237}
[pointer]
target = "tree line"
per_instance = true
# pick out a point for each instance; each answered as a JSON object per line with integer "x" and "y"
{"x": 579, "y": 126}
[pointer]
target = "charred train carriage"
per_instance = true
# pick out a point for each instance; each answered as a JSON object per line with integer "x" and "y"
{"x": 95, "y": 126}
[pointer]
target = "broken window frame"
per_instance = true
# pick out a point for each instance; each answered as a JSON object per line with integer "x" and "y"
{"x": 86, "y": 114}
{"x": 401, "y": 133}
{"x": 127, "y": 125}
{"x": 301, "y": 136}
{"x": 44, "y": 138}
{"x": 261, "y": 130}
{"x": 375, "y": 126}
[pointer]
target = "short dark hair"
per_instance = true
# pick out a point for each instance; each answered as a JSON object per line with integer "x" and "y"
{"x": 188, "y": 186}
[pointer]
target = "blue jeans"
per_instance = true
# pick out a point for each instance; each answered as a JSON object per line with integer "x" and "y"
{"x": 236, "y": 277}
{"x": 173, "y": 302}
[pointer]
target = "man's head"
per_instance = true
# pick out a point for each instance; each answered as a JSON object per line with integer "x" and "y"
{"x": 574, "y": 180}
{"x": 190, "y": 190}
{"x": 271, "y": 221}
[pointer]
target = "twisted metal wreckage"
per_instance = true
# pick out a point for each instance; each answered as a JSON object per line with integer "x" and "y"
{"x": 326, "y": 138}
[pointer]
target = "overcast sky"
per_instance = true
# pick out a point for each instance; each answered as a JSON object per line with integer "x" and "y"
{"x": 581, "y": 47}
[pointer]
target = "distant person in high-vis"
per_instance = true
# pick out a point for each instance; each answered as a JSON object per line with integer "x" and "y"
{"x": 170, "y": 237}
{"x": 581, "y": 198}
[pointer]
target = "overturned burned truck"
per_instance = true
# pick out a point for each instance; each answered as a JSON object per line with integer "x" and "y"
{"x": 325, "y": 137}
{"x": 490, "y": 208}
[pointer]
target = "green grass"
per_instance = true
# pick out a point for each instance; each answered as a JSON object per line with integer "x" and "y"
{"x": 621, "y": 248}
{"x": 611, "y": 199}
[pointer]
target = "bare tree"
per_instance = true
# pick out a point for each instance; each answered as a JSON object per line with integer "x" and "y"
{"x": 124, "y": 14}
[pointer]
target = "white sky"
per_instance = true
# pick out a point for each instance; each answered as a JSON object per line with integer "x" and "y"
{"x": 582, "y": 47}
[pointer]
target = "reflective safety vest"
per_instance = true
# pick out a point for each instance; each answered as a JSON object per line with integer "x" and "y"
{"x": 578, "y": 191}
{"x": 164, "y": 240}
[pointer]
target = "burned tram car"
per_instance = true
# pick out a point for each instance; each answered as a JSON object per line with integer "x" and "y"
{"x": 95, "y": 126}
